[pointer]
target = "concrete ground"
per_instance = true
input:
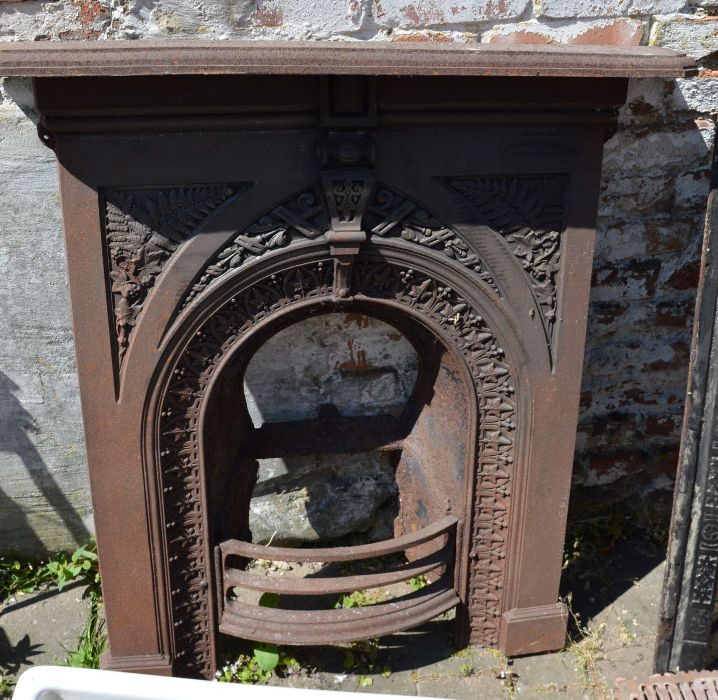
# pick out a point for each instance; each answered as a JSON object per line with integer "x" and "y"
{"x": 37, "y": 629}
{"x": 616, "y": 641}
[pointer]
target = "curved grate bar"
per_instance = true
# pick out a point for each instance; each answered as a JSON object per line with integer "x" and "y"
{"x": 308, "y": 626}
{"x": 314, "y": 627}
{"x": 338, "y": 584}
{"x": 330, "y": 554}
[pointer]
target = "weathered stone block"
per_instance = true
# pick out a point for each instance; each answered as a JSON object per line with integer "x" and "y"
{"x": 692, "y": 190}
{"x": 319, "y": 498}
{"x": 34, "y": 20}
{"x": 636, "y": 195}
{"x": 696, "y": 94}
{"x": 430, "y": 13}
{"x": 623, "y": 240}
{"x": 321, "y": 19}
{"x": 667, "y": 148}
{"x": 697, "y": 36}
{"x": 356, "y": 364}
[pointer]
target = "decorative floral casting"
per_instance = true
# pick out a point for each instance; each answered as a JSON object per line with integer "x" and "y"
{"x": 302, "y": 217}
{"x": 528, "y": 213}
{"x": 392, "y": 215}
{"x": 144, "y": 228}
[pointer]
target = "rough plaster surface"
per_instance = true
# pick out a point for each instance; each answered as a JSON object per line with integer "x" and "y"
{"x": 44, "y": 500}
{"x": 650, "y": 223}
{"x": 358, "y": 365}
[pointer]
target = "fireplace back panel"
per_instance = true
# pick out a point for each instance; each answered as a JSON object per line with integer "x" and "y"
{"x": 203, "y": 214}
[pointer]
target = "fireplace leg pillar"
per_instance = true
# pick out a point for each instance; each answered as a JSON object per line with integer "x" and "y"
{"x": 533, "y": 630}
{"x": 154, "y": 664}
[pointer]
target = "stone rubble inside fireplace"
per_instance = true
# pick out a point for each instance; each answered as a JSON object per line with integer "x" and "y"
{"x": 338, "y": 364}
{"x": 317, "y": 498}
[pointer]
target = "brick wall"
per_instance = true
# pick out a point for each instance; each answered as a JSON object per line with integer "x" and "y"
{"x": 651, "y": 216}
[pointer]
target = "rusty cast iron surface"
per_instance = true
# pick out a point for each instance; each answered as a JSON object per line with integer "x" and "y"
{"x": 309, "y": 626}
{"x": 203, "y": 214}
{"x": 116, "y": 58}
{"x": 693, "y": 685}
{"x": 687, "y": 632}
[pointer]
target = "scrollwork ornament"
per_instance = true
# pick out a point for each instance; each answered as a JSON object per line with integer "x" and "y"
{"x": 300, "y": 218}
{"x": 143, "y": 229}
{"x": 393, "y": 215}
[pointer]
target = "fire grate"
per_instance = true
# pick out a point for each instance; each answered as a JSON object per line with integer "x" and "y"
{"x": 694, "y": 685}
{"x": 343, "y": 625}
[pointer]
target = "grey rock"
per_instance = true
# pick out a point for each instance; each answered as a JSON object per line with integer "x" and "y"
{"x": 319, "y": 497}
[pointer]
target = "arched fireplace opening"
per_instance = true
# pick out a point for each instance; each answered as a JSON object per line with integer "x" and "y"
{"x": 344, "y": 466}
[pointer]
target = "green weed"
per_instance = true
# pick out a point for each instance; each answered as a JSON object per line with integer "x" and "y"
{"x": 6, "y": 686}
{"x": 18, "y": 576}
{"x": 21, "y": 576}
{"x": 418, "y": 582}
{"x": 358, "y": 599}
{"x": 245, "y": 669}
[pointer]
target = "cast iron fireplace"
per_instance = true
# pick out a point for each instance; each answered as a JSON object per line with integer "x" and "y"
{"x": 217, "y": 194}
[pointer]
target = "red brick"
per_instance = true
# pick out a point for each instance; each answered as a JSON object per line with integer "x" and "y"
{"x": 622, "y": 32}
{"x": 686, "y": 276}
{"x": 624, "y": 461}
{"x": 681, "y": 353}
{"x": 663, "y": 425}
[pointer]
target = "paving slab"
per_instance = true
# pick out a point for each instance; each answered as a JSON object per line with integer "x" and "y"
{"x": 617, "y": 641}
{"x": 36, "y": 629}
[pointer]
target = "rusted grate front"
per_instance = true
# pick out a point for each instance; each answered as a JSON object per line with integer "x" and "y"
{"x": 339, "y": 625}
{"x": 695, "y": 685}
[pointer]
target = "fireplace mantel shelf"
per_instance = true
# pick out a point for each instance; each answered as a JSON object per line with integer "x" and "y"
{"x": 172, "y": 57}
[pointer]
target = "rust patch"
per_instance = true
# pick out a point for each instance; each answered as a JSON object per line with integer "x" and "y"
{"x": 356, "y": 362}
{"x": 268, "y": 15}
{"x": 640, "y": 108}
{"x": 87, "y": 12}
{"x": 360, "y": 320}
{"x": 422, "y": 15}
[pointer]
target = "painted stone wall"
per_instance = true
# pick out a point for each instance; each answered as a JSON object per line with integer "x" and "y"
{"x": 651, "y": 217}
